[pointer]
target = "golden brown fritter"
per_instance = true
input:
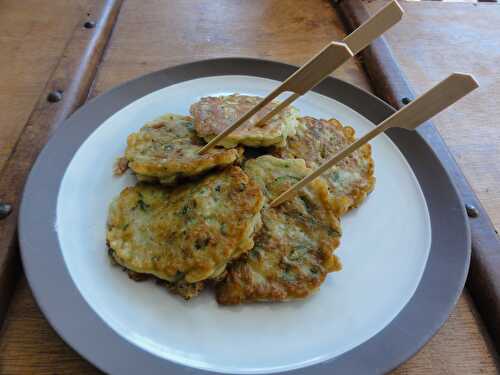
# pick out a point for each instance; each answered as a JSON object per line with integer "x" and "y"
{"x": 293, "y": 251}
{"x": 316, "y": 141}
{"x": 167, "y": 149}
{"x": 188, "y": 233}
{"x": 212, "y": 115}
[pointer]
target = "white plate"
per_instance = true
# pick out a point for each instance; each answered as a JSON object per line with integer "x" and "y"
{"x": 384, "y": 249}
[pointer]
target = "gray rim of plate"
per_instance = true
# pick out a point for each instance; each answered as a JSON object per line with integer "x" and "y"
{"x": 76, "y": 322}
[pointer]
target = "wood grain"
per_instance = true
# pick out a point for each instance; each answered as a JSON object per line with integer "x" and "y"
{"x": 155, "y": 34}
{"x": 460, "y": 347}
{"x": 288, "y": 31}
{"x": 24, "y": 66}
{"x": 30, "y": 346}
{"x": 25, "y": 69}
{"x": 388, "y": 81}
{"x": 73, "y": 75}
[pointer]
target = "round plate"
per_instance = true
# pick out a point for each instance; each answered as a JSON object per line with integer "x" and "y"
{"x": 380, "y": 309}
{"x": 270, "y": 332}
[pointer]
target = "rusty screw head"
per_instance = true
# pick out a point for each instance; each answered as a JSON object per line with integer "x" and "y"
{"x": 472, "y": 211}
{"x": 89, "y": 24}
{"x": 55, "y": 96}
{"x": 5, "y": 210}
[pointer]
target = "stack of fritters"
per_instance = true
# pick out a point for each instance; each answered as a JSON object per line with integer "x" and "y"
{"x": 218, "y": 225}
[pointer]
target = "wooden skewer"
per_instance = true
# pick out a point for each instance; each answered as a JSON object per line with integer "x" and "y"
{"x": 410, "y": 117}
{"x": 375, "y": 26}
{"x": 262, "y": 122}
{"x": 358, "y": 40}
{"x": 320, "y": 66}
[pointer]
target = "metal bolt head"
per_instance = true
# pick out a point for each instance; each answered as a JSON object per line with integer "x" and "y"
{"x": 89, "y": 24}
{"x": 55, "y": 96}
{"x": 5, "y": 210}
{"x": 471, "y": 211}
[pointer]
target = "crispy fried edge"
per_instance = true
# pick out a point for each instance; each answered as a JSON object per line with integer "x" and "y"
{"x": 183, "y": 289}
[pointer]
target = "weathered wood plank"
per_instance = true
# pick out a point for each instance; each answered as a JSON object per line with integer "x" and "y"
{"x": 429, "y": 54}
{"x": 73, "y": 76}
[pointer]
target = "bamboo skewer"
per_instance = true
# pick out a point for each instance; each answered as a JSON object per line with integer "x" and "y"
{"x": 285, "y": 103}
{"x": 327, "y": 60}
{"x": 358, "y": 40}
{"x": 320, "y": 66}
{"x": 410, "y": 117}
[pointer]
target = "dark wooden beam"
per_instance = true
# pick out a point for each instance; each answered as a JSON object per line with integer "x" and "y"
{"x": 66, "y": 90}
{"x": 389, "y": 83}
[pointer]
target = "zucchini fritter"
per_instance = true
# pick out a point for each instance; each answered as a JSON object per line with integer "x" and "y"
{"x": 167, "y": 148}
{"x": 188, "y": 233}
{"x": 293, "y": 251}
{"x": 214, "y": 114}
{"x": 352, "y": 179}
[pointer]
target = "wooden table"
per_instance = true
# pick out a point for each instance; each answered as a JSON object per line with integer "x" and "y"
{"x": 151, "y": 35}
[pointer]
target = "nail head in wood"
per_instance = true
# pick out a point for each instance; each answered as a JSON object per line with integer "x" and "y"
{"x": 89, "y": 24}
{"x": 472, "y": 211}
{"x": 55, "y": 96}
{"x": 5, "y": 210}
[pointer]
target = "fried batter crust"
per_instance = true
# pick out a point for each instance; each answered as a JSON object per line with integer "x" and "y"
{"x": 352, "y": 179}
{"x": 293, "y": 251}
{"x": 166, "y": 149}
{"x": 187, "y": 233}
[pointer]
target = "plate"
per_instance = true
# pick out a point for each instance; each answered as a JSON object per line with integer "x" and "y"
{"x": 161, "y": 324}
{"x": 405, "y": 251}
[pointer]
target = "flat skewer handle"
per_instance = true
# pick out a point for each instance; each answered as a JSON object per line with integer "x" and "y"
{"x": 410, "y": 117}
{"x": 320, "y": 66}
{"x": 327, "y": 60}
{"x": 379, "y": 23}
